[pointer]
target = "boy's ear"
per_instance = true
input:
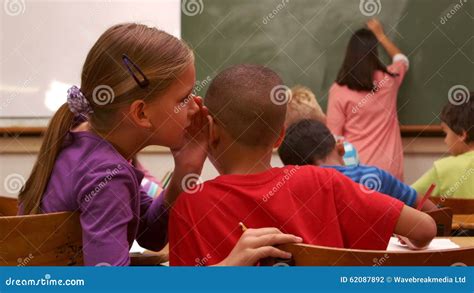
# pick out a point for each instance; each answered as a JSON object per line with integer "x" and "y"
{"x": 318, "y": 162}
{"x": 138, "y": 114}
{"x": 213, "y": 131}
{"x": 281, "y": 137}
{"x": 463, "y": 136}
{"x": 340, "y": 148}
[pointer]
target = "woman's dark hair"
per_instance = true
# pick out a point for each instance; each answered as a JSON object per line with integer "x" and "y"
{"x": 361, "y": 62}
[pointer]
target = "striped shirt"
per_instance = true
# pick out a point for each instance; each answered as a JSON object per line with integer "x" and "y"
{"x": 376, "y": 179}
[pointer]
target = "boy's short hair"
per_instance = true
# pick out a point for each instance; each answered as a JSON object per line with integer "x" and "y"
{"x": 306, "y": 141}
{"x": 460, "y": 117}
{"x": 303, "y": 105}
{"x": 239, "y": 98}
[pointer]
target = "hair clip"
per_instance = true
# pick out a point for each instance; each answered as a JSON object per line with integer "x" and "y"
{"x": 142, "y": 83}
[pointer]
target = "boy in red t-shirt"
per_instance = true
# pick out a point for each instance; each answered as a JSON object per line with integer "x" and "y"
{"x": 248, "y": 106}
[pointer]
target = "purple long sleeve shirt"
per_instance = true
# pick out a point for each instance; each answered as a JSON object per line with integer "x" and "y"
{"x": 90, "y": 176}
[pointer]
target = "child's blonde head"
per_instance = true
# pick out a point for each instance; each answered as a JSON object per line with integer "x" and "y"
{"x": 303, "y": 105}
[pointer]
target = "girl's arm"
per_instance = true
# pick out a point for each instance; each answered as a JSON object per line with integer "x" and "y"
{"x": 376, "y": 27}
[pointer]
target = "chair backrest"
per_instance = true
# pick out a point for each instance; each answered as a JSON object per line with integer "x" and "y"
{"x": 312, "y": 255}
{"x": 444, "y": 220}
{"x": 8, "y": 206}
{"x": 460, "y": 206}
{"x": 41, "y": 240}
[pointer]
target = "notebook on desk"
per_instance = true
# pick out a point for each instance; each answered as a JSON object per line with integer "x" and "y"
{"x": 436, "y": 244}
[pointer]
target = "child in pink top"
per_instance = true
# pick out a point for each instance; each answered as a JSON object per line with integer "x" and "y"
{"x": 362, "y": 103}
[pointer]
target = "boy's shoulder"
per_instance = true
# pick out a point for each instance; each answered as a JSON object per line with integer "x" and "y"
{"x": 461, "y": 157}
{"x": 359, "y": 169}
{"x": 454, "y": 162}
{"x": 297, "y": 175}
{"x": 305, "y": 172}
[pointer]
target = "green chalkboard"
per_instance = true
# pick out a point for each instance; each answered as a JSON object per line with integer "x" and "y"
{"x": 305, "y": 41}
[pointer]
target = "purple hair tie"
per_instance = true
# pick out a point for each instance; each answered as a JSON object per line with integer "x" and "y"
{"x": 77, "y": 102}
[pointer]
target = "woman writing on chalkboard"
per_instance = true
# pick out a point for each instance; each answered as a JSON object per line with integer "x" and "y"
{"x": 362, "y": 103}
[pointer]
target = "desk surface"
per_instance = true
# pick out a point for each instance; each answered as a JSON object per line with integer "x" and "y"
{"x": 155, "y": 258}
{"x": 463, "y": 222}
{"x": 463, "y": 241}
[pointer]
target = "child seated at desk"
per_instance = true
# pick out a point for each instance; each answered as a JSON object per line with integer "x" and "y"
{"x": 320, "y": 205}
{"x": 454, "y": 175}
{"x": 304, "y": 105}
{"x": 310, "y": 142}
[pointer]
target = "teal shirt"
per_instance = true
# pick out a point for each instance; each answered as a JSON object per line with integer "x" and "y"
{"x": 453, "y": 176}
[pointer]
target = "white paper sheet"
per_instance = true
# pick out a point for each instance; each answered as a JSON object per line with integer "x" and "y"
{"x": 436, "y": 244}
{"x": 136, "y": 247}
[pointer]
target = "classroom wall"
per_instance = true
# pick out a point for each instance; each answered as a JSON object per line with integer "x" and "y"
{"x": 17, "y": 156}
{"x": 44, "y": 47}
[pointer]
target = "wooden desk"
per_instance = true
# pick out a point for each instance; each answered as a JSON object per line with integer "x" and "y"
{"x": 463, "y": 242}
{"x": 463, "y": 222}
{"x": 150, "y": 258}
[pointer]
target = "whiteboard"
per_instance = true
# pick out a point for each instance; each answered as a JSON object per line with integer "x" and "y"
{"x": 44, "y": 45}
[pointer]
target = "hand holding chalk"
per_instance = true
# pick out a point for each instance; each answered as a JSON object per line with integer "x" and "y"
{"x": 376, "y": 27}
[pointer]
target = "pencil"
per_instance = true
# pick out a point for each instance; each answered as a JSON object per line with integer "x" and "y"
{"x": 244, "y": 228}
{"x": 168, "y": 179}
{"x": 427, "y": 195}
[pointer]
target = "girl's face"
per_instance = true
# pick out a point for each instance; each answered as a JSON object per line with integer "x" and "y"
{"x": 170, "y": 114}
{"x": 455, "y": 142}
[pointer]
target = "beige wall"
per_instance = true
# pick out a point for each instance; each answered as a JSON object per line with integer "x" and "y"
{"x": 17, "y": 156}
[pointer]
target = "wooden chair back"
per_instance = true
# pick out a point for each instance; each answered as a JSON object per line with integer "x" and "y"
{"x": 8, "y": 206}
{"x": 312, "y": 255}
{"x": 53, "y": 239}
{"x": 460, "y": 206}
{"x": 444, "y": 220}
